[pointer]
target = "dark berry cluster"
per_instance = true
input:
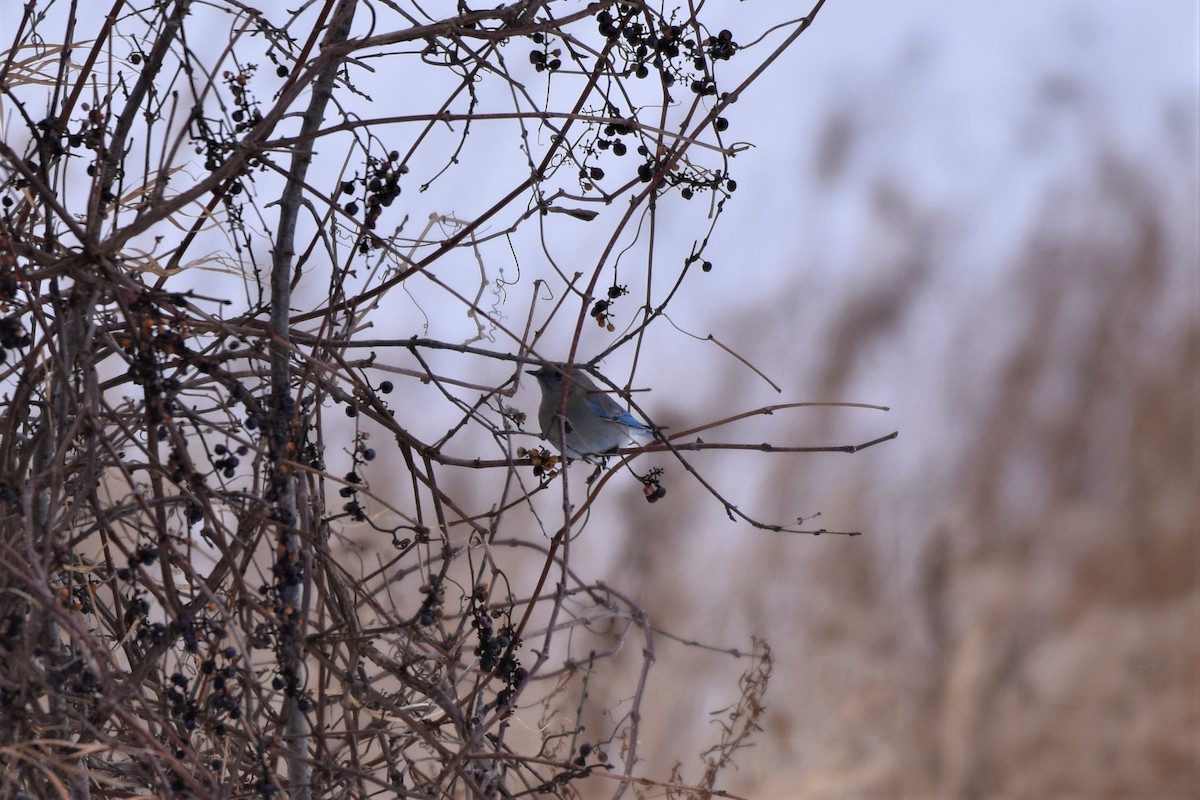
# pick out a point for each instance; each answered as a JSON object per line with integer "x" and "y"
{"x": 362, "y": 454}
{"x": 224, "y": 701}
{"x": 494, "y": 651}
{"x": 721, "y": 47}
{"x": 350, "y": 491}
{"x": 652, "y": 485}
{"x": 12, "y": 278}
{"x": 144, "y": 555}
{"x": 217, "y": 688}
{"x": 381, "y": 185}
{"x": 545, "y": 59}
{"x": 585, "y": 752}
{"x": 214, "y": 150}
{"x": 608, "y": 139}
{"x": 431, "y": 606}
{"x": 693, "y": 179}
{"x": 183, "y": 708}
{"x": 601, "y": 308}
{"x": 245, "y": 114}
{"x": 49, "y": 141}
{"x": 135, "y": 609}
{"x": 228, "y": 461}
{"x": 153, "y": 341}
{"x": 678, "y": 57}
{"x": 611, "y": 140}
{"x": 667, "y": 48}
{"x": 177, "y": 461}
{"x": 216, "y": 144}
{"x": 508, "y": 694}
{"x": 493, "y": 647}
{"x": 311, "y": 456}
{"x": 92, "y": 132}
{"x": 288, "y": 572}
{"x": 288, "y": 682}
{"x": 12, "y": 336}
{"x": 54, "y": 142}
{"x": 185, "y": 631}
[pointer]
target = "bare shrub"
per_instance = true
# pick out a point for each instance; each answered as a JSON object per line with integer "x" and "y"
{"x": 246, "y": 548}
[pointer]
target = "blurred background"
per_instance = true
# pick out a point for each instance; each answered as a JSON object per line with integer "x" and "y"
{"x": 987, "y": 218}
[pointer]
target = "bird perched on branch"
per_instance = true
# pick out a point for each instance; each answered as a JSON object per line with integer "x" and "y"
{"x": 594, "y": 423}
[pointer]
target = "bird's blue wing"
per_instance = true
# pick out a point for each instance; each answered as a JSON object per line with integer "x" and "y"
{"x": 604, "y": 406}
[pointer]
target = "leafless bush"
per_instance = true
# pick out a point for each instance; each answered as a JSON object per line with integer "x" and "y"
{"x": 201, "y": 217}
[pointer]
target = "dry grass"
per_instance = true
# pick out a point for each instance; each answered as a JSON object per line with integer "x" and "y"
{"x": 1021, "y": 619}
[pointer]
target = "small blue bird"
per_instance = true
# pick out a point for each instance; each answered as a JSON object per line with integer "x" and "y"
{"x": 595, "y": 424}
